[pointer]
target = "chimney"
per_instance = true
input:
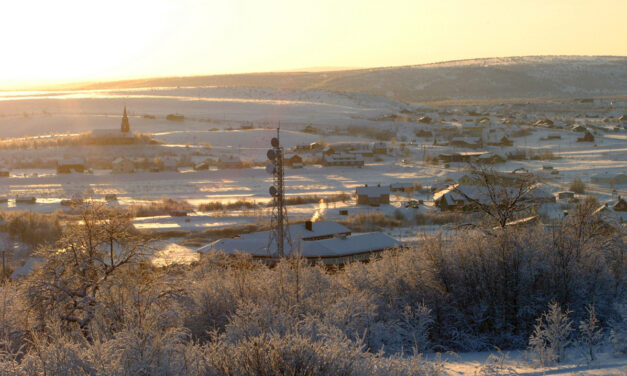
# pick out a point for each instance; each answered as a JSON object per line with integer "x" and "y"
{"x": 309, "y": 225}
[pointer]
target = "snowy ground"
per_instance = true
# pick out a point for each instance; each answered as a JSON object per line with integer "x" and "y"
{"x": 519, "y": 363}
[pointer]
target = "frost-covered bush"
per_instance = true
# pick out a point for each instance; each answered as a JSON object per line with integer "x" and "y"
{"x": 551, "y": 335}
{"x": 295, "y": 354}
{"x": 496, "y": 365}
{"x": 56, "y": 353}
{"x": 469, "y": 290}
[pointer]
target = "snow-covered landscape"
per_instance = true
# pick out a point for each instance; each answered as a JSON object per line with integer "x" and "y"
{"x": 191, "y": 174}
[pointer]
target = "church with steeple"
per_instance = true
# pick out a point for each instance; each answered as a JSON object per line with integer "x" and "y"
{"x": 126, "y": 127}
{"x": 113, "y": 136}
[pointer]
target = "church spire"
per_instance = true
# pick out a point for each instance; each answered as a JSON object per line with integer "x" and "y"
{"x": 126, "y": 127}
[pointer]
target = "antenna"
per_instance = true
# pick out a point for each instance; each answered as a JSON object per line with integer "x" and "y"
{"x": 278, "y": 222}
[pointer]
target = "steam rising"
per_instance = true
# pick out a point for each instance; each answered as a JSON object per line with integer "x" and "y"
{"x": 319, "y": 213}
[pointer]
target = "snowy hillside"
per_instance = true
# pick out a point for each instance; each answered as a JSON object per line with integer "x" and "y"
{"x": 493, "y": 78}
{"x": 512, "y": 77}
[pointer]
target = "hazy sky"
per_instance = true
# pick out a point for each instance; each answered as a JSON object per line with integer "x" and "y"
{"x": 60, "y": 41}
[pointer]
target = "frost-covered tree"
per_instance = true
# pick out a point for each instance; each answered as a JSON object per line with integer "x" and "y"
{"x": 590, "y": 333}
{"x": 503, "y": 197}
{"x": 551, "y": 334}
{"x": 90, "y": 253}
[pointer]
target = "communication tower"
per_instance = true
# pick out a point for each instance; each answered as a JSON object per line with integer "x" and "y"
{"x": 279, "y": 230}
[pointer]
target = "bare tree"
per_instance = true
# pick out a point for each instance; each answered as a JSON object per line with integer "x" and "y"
{"x": 90, "y": 252}
{"x": 501, "y": 196}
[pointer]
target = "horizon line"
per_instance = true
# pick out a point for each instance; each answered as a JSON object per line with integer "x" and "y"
{"x": 79, "y": 84}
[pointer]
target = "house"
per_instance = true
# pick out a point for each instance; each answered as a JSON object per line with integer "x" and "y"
{"x": 382, "y": 147}
{"x": 565, "y": 195}
{"x": 66, "y": 166}
{"x": 295, "y": 161}
{"x": 610, "y": 219}
{"x": 373, "y": 195}
{"x": 453, "y": 157}
{"x": 325, "y": 241}
{"x": 518, "y": 155}
{"x": 353, "y": 160}
{"x": 25, "y": 200}
{"x": 175, "y": 117}
{"x": 463, "y": 197}
{"x": 588, "y": 137}
{"x": 230, "y": 161}
{"x": 490, "y": 158}
{"x": 122, "y": 165}
{"x": 621, "y": 205}
{"x": 204, "y": 165}
{"x": 449, "y": 198}
{"x": 465, "y": 142}
{"x": 358, "y": 148}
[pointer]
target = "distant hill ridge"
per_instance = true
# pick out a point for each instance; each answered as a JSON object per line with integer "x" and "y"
{"x": 490, "y": 78}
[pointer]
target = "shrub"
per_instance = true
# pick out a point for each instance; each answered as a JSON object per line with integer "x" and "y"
{"x": 33, "y": 228}
{"x": 577, "y": 186}
{"x": 166, "y": 206}
{"x": 233, "y": 205}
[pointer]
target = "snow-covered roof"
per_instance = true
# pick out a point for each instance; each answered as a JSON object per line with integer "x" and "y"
{"x": 481, "y": 194}
{"x": 373, "y": 191}
{"x": 318, "y": 229}
{"x": 341, "y": 245}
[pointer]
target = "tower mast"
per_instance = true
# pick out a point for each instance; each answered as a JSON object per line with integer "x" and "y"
{"x": 278, "y": 222}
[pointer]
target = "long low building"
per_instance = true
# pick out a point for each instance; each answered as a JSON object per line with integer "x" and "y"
{"x": 327, "y": 241}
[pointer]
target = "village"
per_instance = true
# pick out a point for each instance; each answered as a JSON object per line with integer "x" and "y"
{"x": 412, "y": 165}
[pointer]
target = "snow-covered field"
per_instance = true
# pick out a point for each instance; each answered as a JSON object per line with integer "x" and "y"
{"x": 213, "y": 128}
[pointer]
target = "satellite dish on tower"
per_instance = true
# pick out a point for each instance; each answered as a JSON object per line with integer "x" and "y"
{"x": 271, "y": 154}
{"x": 274, "y": 142}
{"x": 273, "y": 191}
